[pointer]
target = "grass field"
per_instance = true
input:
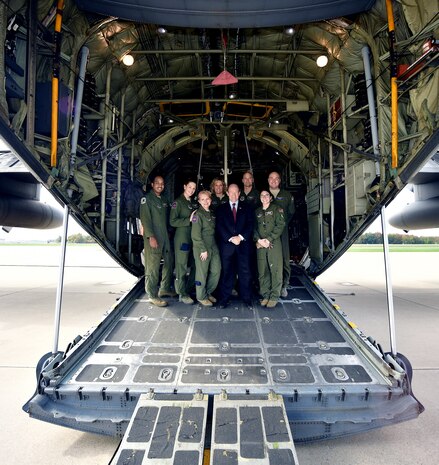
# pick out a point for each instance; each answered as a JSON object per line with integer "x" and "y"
{"x": 395, "y": 248}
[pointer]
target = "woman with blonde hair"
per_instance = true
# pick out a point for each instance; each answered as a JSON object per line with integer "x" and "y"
{"x": 219, "y": 195}
{"x": 206, "y": 253}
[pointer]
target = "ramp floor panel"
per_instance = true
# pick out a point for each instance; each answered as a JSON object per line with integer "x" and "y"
{"x": 164, "y": 432}
{"x": 190, "y": 346}
{"x": 251, "y": 430}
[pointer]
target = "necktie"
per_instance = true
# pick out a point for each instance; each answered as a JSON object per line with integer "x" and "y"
{"x": 234, "y": 212}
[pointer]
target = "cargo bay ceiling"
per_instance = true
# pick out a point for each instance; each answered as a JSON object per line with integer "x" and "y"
{"x": 270, "y": 47}
{"x": 165, "y": 110}
{"x": 273, "y": 67}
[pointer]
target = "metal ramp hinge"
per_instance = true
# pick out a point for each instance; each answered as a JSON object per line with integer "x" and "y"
{"x": 249, "y": 429}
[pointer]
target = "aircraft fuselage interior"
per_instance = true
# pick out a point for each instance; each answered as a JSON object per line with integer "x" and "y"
{"x": 341, "y": 99}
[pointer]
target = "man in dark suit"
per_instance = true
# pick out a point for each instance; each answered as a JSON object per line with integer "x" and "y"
{"x": 234, "y": 227}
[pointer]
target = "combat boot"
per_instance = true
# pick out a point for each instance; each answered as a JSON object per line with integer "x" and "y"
{"x": 186, "y": 299}
{"x": 158, "y": 302}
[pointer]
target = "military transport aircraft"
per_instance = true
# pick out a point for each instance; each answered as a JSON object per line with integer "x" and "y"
{"x": 340, "y": 97}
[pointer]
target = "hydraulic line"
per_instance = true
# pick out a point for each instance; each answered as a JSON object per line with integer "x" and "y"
{"x": 345, "y": 140}
{"x": 331, "y": 172}
{"x": 60, "y": 287}
{"x": 393, "y": 83}
{"x": 119, "y": 170}
{"x": 376, "y": 150}
{"x": 365, "y": 51}
{"x": 55, "y": 83}
{"x": 248, "y": 152}
{"x": 389, "y": 288}
{"x": 78, "y": 104}
{"x": 105, "y": 146}
{"x": 201, "y": 158}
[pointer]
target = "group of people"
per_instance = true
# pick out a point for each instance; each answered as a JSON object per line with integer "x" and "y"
{"x": 218, "y": 240}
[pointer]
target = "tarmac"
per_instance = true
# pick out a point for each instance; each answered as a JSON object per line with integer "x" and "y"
{"x": 93, "y": 282}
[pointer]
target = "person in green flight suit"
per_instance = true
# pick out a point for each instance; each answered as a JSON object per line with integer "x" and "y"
{"x": 179, "y": 219}
{"x": 249, "y": 193}
{"x": 154, "y": 215}
{"x": 206, "y": 253}
{"x": 285, "y": 200}
{"x": 269, "y": 225}
{"x": 218, "y": 191}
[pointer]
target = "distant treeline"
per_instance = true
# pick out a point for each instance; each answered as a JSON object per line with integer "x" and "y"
{"x": 367, "y": 238}
{"x": 377, "y": 238}
{"x": 78, "y": 239}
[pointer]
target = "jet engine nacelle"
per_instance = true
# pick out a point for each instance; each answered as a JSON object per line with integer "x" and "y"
{"x": 20, "y": 206}
{"x": 23, "y": 213}
{"x": 422, "y": 214}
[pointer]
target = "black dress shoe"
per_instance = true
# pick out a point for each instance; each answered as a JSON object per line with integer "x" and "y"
{"x": 222, "y": 304}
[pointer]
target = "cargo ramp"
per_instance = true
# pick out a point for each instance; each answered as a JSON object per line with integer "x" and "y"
{"x": 332, "y": 379}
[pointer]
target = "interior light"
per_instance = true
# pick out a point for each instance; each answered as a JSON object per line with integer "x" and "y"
{"x": 427, "y": 46}
{"x": 341, "y": 22}
{"x": 162, "y": 30}
{"x": 128, "y": 60}
{"x": 322, "y": 61}
{"x": 289, "y": 30}
{"x": 232, "y": 95}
